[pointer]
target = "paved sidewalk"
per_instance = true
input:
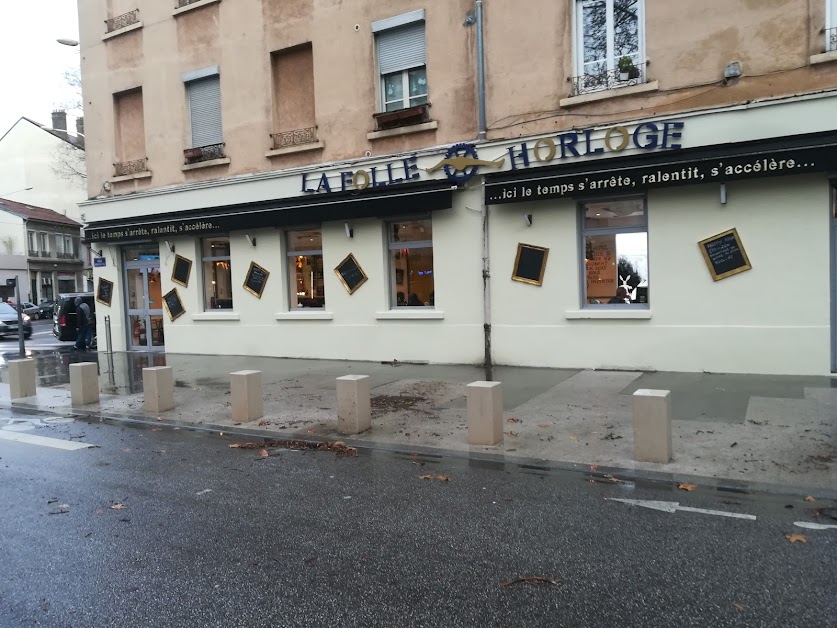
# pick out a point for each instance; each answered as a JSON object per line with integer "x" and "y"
{"x": 774, "y": 430}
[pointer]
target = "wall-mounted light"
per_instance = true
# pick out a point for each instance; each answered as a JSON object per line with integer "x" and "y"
{"x": 169, "y": 246}
{"x": 527, "y": 218}
{"x": 723, "y": 194}
{"x": 350, "y": 233}
{"x": 250, "y": 239}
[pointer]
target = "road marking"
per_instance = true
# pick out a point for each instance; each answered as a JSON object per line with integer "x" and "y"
{"x": 814, "y": 526}
{"x": 43, "y": 441}
{"x": 675, "y": 506}
{"x": 204, "y": 491}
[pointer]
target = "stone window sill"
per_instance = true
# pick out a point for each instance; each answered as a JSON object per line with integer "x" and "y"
{"x": 193, "y": 6}
{"x": 305, "y": 315}
{"x": 825, "y": 57}
{"x": 403, "y": 130}
{"x": 417, "y": 315}
{"x": 289, "y": 150}
{"x": 146, "y": 174}
{"x": 122, "y": 31}
{"x": 603, "y": 314}
{"x": 205, "y": 164}
{"x": 607, "y": 94}
{"x": 216, "y": 316}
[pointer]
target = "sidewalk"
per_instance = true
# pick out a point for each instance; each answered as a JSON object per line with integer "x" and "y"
{"x": 765, "y": 429}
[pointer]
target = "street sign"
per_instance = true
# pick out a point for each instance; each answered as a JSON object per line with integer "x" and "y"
{"x": 10, "y": 283}
{"x": 99, "y": 262}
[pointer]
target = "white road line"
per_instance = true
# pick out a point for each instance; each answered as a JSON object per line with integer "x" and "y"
{"x": 814, "y": 526}
{"x": 671, "y": 507}
{"x": 43, "y": 441}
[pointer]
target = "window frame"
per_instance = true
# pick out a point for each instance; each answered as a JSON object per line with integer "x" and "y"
{"x": 289, "y": 254}
{"x": 189, "y": 79}
{"x": 394, "y": 246}
{"x": 405, "y": 90}
{"x": 830, "y": 23}
{"x": 391, "y": 24}
{"x": 612, "y": 61}
{"x": 584, "y": 231}
{"x": 216, "y": 258}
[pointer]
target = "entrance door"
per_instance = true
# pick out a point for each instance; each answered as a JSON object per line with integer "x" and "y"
{"x": 145, "y": 299}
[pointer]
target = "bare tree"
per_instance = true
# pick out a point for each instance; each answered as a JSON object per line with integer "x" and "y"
{"x": 69, "y": 159}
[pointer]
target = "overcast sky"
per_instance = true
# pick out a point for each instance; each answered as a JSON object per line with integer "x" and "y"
{"x": 32, "y": 63}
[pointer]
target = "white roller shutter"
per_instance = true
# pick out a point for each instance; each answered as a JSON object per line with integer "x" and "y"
{"x": 205, "y": 111}
{"x": 401, "y": 48}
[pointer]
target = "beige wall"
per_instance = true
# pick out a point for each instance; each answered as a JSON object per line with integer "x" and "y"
{"x": 529, "y": 61}
{"x": 292, "y": 76}
{"x": 129, "y": 141}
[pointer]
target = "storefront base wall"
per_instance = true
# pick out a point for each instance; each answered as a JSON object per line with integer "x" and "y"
{"x": 772, "y": 319}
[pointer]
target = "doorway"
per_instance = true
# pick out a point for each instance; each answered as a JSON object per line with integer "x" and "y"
{"x": 144, "y": 296}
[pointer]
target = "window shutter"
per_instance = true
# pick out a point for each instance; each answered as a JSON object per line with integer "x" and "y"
{"x": 401, "y": 48}
{"x": 205, "y": 111}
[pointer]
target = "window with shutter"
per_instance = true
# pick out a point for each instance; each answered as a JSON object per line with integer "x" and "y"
{"x": 402, "y": 61}
{"x": 205, "y": 111}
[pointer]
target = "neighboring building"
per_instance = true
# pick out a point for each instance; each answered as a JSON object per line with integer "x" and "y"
{"x": 43, "y": 248}
{"x": 239, "y": 153}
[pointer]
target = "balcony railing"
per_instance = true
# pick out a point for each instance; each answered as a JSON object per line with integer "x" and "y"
{"x": 204, "y": 153}
{"x": 613, "y": 79}
{"x": 297, "y": 137}
{"x": 134, "y": 166}
{"x": 830, "y": 39}
{"x": 121, "y": 21}
{"x": 66, "y": 256}
{"x": 183, "y": 3}
{"x": 402, "y": 117}
{"x": 34, "y": 253}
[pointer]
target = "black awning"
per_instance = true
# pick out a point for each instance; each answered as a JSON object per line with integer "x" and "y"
{"x": 407, "y": 199}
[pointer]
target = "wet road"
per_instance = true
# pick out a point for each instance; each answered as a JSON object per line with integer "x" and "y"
{"x": 207, "y": 535}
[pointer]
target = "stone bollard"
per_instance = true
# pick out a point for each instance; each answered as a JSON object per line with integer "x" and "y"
{"x": 354, "y": 413}
{"x": 652, "y": 425}
{"x": 21, "y": 378}
{"x": 246, "y": 395}
{"x": 485, "y": 413}
{"x": 84, "y": 383}
{"x": 158, "y": 388}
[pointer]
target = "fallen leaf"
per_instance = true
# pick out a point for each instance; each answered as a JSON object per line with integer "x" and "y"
{"x": 233, "y": 445}
{"x": 810, "y": 499}
{"x": 594, "y": 467}
{"x": 613, "y": 479}
{"x": 542, "y": 425}
{"x": 510, "y": 433}
{"x": 425, "y": 477}
{"x": 338, "y": 443}
{"x": 793, "y": 538}
{"x": 513, "y": 420}
{"x": 156, "y": 429}
{"x": 262, "y": 423}
{"x": 117, "y": 507}
{"x": 531, "y": 580}
{"x": 685, "y": 486}
{"x": 263, "y": 453}
{"x": 738, "y": 606}
{"x": 573, "y": 437}
{"x": 159, "y": 418}
{"x": 443, "y": 478}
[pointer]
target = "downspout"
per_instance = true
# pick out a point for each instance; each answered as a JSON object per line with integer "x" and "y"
{"x": 484, "y": 212}
{"x": 480, "y": 74}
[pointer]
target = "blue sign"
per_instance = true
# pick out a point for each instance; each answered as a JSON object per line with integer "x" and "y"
{"x": 99, "y": 262}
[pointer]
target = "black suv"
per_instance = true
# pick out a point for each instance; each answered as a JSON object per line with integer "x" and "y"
{"x": 64, "y": 314}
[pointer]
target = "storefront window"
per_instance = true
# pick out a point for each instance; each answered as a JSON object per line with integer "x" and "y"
{"x": 615, "y": 237}
{"x": 411, "y": 263}
{"x": 217, "y": 273}
{"x": 305, "y": 269}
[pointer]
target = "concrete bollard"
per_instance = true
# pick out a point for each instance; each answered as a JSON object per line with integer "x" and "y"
{"x": 246, "y": 395}
{"x": 158, "y": 388}
{"x": 354, "y": 413}
{"x": 652, "y": 425}
{"x": 84, "y": 383}
{"x": 21, "y": 378}
{"x": 485, "y": 413}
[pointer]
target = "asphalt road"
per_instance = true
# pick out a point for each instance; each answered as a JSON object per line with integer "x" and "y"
{"x": 42, "y": 339}
{"x": 213, "y": 536}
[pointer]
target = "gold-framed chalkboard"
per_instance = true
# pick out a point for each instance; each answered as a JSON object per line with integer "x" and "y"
{"x": 530, "y": 264}
{"x": 351, "y": 274}
{"x": 174, "y": 306}
{"x": 256, "y": 279}
{"x": 181, "y": 270}
{"x": 104, "y": 292}
{"x": 724, "y": 254}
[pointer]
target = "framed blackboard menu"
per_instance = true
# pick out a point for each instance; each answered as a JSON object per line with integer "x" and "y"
{"x": 104, "y": 292}
{"x": 350, "y": 273}
{"x": 174, "y": 306}
{"x": 530, "y": 264}
{"x": 255, "y": 280}
{"x": 181, "y": 271}
{"x": 724, "y": 254}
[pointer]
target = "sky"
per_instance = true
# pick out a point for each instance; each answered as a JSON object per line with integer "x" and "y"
{"x": 32, "y": 63}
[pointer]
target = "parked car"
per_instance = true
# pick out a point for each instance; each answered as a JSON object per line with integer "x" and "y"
{"x": 46, "y": 308}
{"x": 8, "y": 322}
{"x": 30, "y": 309}
{"x": 64, "y": 317}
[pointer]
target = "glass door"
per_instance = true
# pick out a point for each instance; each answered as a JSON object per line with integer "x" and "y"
{"x": 145, "y": 302}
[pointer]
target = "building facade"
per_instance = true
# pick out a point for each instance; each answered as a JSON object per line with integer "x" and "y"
{"x": 461, "y": 183}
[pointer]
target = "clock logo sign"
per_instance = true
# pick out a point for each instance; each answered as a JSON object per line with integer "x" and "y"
{"x": 461, "y": 163}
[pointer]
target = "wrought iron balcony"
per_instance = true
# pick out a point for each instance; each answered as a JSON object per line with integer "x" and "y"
{"x": 121, "y": 21}
{"x": 830, "y": 39}
{"x": 33, "y": 253}
{"x": 183, "y": 3}
{"x": 134, "y": 166}
{"x": 66, "y": 256}
{"x": 613, "y": 79}
{"x": 297, "y": 137}
{"x": 204, "y": 153}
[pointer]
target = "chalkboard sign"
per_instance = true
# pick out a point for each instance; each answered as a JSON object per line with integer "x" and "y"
{"x": 530, "y": 264}
{"x": 350, "y": 273}
{"x": 724, "y": 254}
{"x": 104, "y": 292}
{"x": 174, "y": 306}
{"x": 181, "y": 271}
{"x": 256, "y": 279}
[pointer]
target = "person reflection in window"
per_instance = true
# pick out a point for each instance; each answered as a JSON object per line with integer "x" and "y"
{"x": 414, "y": 300}
{"x": 399, "y": 299}
{"x": 621, "y": 296}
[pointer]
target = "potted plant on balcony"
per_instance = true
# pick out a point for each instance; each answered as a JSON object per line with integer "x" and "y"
{"x": 627, "y": 69}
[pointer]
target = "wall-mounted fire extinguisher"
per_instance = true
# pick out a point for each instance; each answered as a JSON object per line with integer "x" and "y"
{"x": 139, "y": 332}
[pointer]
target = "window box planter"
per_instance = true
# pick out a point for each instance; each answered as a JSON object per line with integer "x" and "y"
{"x": 402, "y": 117}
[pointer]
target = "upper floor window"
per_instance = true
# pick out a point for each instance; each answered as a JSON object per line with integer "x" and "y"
{"x": 33, "y": 246}
{"x": 402, "y": 61}
{"x": 203, "y": 93}
{"x": 609, "y": 41}
{"x": 830, "y": 25}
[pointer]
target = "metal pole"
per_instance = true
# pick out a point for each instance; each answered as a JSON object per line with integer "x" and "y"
{"x": 108, "y": 341}
{"x": 486, "y": 288}
{"x": 480, "y": 73}
{"x": 19, "y": 318}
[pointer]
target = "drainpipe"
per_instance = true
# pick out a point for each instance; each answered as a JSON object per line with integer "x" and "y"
{"x": 484, "y": 212}
{"x": 480, "y": 73}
